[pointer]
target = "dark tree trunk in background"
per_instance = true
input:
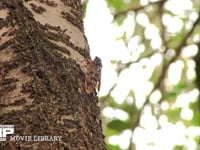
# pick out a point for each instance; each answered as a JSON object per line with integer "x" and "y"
{"x": 43, "y": 57}
{"x": 197, "y": 62}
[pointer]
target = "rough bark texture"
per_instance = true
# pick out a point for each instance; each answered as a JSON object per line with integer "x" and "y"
{"x": 43, "y": 55}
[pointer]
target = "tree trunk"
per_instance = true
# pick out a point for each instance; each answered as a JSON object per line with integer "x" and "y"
{"x": 43, "y": 62}
{"x": 197, "y": 69}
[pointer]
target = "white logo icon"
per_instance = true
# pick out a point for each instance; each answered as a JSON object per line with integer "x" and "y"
{"x": 5, "y": 130}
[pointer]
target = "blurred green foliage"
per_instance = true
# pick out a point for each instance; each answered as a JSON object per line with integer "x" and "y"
{"x": 173, "y": 43}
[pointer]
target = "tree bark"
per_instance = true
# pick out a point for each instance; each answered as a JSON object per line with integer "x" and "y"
{"x": 43, "y": 62}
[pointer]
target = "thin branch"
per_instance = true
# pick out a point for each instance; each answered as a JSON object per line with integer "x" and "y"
{"x": 124, "y": 12}
{"x": 163, "y": 29}
{"x": 135, "y": 9}
{"x": 128, "y": 64}
{"x": 109, "y": 93}
{"x": 162, "y": 76}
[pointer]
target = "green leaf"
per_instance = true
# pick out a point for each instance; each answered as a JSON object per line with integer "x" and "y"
{"x": 112, "y": 147}
{"x": 110, "y": 132}
{"x": 84, "y": 8}
{"x": 196, "y": 115}
{"x": 178, "y": 147}
{"x": 116, "y": 4}
{"x": 139, "y": 30}
{"x": 155, "y": 73}
{"x": 120, "y": 20}
{"x": 171, "y": 95}
{"x": 174, "y": 114}
{"x": 118, "y": 125}
{"x": 176, "y": 39}
{"x": 197, "y": 140}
